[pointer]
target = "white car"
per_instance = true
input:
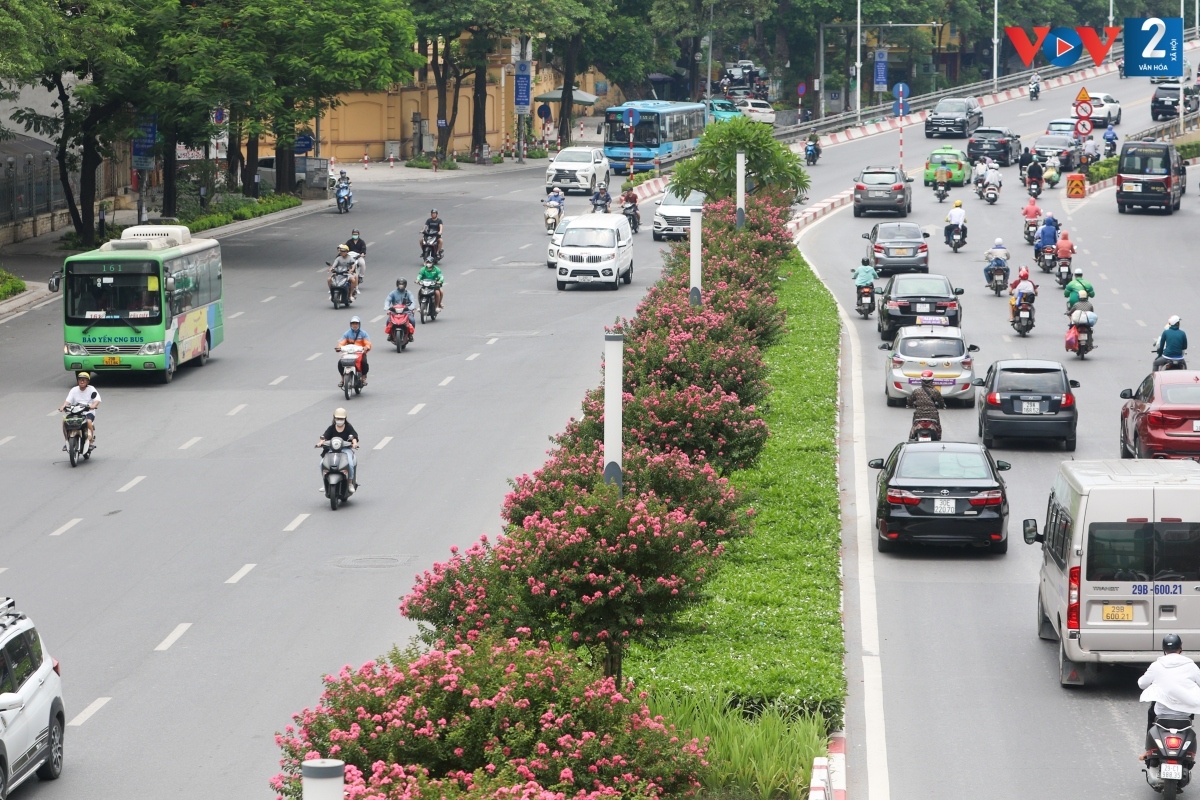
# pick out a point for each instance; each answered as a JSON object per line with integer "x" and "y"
{"x": 917, "y": 348}
{"x": 580, "y": 168}
{"x": 556, "y": 241}
{"x": 757, "y": 110}
{"x": 596, "y": 248}
{"x": 673, "y": 214}
{"x": 31, "y": 706}
{"x": 1106, "y": 110}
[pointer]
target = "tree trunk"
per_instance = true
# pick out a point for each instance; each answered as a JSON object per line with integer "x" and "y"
{"x": 170, "y": 177}
{"x": 694, "y": 69}
{"x": 479, "y": 115}
{"x": 441, "y": 79}
{"x": 285, "y": 149}
{"x": 782, "y": 12}
{"x": 64, "y": 176}
{"x": 90, "y": 159}
{"x": 459, "y": 77}
{"x": 234, "y": 162}
{"x": 568, "y": 91}
{"x": 613, "y": 658}
{"x": 250, "y": 166}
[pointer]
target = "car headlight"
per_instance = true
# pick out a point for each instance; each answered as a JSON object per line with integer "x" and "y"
{"x": 151, "y": 349}
{"x": 72, "y": 349}
{"x": 608, "y": 256}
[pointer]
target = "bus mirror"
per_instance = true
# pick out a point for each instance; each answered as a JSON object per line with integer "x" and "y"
{"x": 54, "y": 282}
{"x": 169, "y": 283}
{"x": 600, "y": 128}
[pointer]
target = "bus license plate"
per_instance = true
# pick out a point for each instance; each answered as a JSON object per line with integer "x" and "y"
{"x": 1171, "y": 772}
{"x": 1118, "y": 613}
{"x": 112, "y": 361}
{"x": 941, "y": 506}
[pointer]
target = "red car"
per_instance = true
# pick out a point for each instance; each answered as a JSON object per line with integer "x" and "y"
{"x": 1161, "y": 418}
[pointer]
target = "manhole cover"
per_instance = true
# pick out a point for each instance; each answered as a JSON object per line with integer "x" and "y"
{"x": 372, "y": 562}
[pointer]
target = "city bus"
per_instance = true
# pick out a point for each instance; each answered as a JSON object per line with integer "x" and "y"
{"x": 146, "y": 302}
{"x": 663, "y": 128}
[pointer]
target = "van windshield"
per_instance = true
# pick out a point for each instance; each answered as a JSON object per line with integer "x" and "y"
{"x": 1147, "y": 159}
{"x": 1143, "y": 551}
{"x": 590, "y": 237}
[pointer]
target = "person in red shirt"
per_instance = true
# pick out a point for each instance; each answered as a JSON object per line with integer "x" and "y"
{"x": 1065, "y": 247}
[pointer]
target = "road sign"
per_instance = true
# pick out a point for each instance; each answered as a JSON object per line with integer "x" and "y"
{"x": 881, "y": 74}
{"x": 901, "y": 90}
{"x": 1062, "y": 47}
{"x": 304, "y": 143}
{"x": 521, "y": 84}
{"x": 143, "y": 145}
{"x": 1083, "y": 110}
{"x": 1083, "y": 127}
{"x": 1083, "y": 96}
{"x": 801, "y": 88}
{"x": 1076, "y": 186}
{"x": 631, "y": 117}
{"x": 543, "y": 111}
{"x": 219, "y": 116}
{"x": 1154, "y": 46}
{"x": 900, "y": 108}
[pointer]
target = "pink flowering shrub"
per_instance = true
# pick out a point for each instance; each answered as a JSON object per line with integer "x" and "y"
{"x": 755, "y": 312}
{"x": 496, "y": 718}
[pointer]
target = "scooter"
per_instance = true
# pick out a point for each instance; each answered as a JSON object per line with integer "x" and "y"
{"x": 1034, "y": 187}
{"x": 399, "y": 328}
{"x": 810, "y": 154}
{"x": 1062, "y": 272}
{"x": 345, "y": 198}
{"x": 630, "y": 210}
{"x": 997, "y": 282}
{"x": 1085, "y": 342}
{"x": 991, "y": 194}
{"x": 348, "y": 361}
{"x": 925, "y": 430}
{"x": 335, "y": 471}
{"x": 1051, "y": 176}
{"x": 941, "y": 191}
{"x": 1172, "y": 363}
{"x": 1047, "y": 258}
{"x": 427, "y": 299}
{"x": 1022, "y": 321}
{"x": 429, "y": 251}
{"x": 599, "y": 206}
{"x": 75, "y": 425}
{"x": 956, "y": 238}
{"x": 1110, "y": 148}
{"x": 1121, "y": 68}
{"x": 553, "y": 216}
{"x": 1031, "y": 226}
{"x": 1170, "y": 756}
{"x": 1035, "y": 90}
{"x": 339, "y": 288}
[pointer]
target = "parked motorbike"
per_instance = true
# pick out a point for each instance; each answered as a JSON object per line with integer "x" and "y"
{"x": 351, "y": 376}
{"x": 75, "y": 426}
{"x": 335, "y": 471}
{"x": 339, "y": 289}
{"x": 991, "y": 193}
{"x": 956, "y": 238}
{"x": 399, "y": 328}
{"x": 630, "y": 210}
{"x": 1062, "y": 271}
{"x": 427, "y": 299}
{"x": 553, "y": 215}
{"x": 429, "y": 248}
{"x": 997, "y": 281}
{"x": 1031, "y": 226}
{"x": 1170, "y": 756}
{"x": 1047, "y": 258}
{"x": 1035, "y": 90}
{"x": 925, "y": 430}
{"x": 941, "y": 191}
{"x": 1023, "y": 317}
{"x": 345, "y": 198}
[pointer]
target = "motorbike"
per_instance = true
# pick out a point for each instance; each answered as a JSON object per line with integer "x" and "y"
{"x": 399, "y": 328}
{"x": 997, "y": 282}
{"x": 1051, "y": 176}
{"x": 1172, "y": 363}
{"x": 1110, "y": 148}
{"x": 810, "y": 154}
{"x": 427, "y": 299}
{"x": 991, "y": 193}
{"x": 941, "y": 191}
{"x": 1034, "y": 187}
{"x": 1035, "y": 90}
{"x": 429, "y": 251}
{"x": 1022, "y": 321}
{"x": 979, "y": 187}
{"x": 339, "y": 288}
{"x": 630, "y": 210}
{"x": 956, "y": 238}
{"x": 1047, "y": 258}
{"x": 75, "y": 426}
{"x": 345, "y": 198}
{"x": 1085, "y": 341}
{"x": 1171, "y": 753}
{"x": 925, "y": 430}
{"x": 335, "y": 471}
{"x": 1031, "y": 226}
{"x": 1062, "y": 271}
{"x": 599, "y": 206}
{"x": 553, "y": 215}
{"x": 351, "y": 377}
{"x": 1121, "y": 68}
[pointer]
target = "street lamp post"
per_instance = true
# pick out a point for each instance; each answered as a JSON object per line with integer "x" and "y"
{"x": 858, "y": 67}
{"x": 695, "y": 235}
{"x": 708, "y": 78}
{"x": 995, "y": 45}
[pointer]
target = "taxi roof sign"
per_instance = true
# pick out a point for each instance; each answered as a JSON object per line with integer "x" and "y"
{"x": 1083, "y": 96}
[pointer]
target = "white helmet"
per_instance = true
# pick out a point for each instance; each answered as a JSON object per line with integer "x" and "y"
{"x": 999, "y": 242}
{"x": 1173, "y": 321}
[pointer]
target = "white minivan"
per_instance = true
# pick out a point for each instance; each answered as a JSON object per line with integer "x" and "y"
{"x": 1120, "y": 562}
{"x": 596, "y": 248}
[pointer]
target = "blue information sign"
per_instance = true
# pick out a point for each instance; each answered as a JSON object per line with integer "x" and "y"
{"x": 522, "y": 80}
{"x": 881, "y": 70}
{"x": 1154, "y": 46}
{"x": 900, "y": 108}
{"x": 304, "y": 143}
{"x": 143, "y": 145}
{"x": 631, "y": 117}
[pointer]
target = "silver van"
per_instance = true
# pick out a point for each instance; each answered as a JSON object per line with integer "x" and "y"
{"x": 1120, "y": 562}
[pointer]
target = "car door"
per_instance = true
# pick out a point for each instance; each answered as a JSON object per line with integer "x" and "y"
{"x": 624, "y": 248}
{"x": 884, "y": 314}
{"x": 1116, "y": 603}
{"x": 42, "y": 695}
{"x": 1135, "y": 420}
{"x": 21, "y": 728}
{"x": 871, "y": 244}
{"x": 1176, "y": 585}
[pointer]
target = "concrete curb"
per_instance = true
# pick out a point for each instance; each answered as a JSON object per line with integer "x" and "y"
{"x": 16, "y": 306}
{"x": 651, "y": 188}
{"x": 828, "y": 780}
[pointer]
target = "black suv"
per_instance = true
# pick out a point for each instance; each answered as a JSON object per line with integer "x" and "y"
{"x": 1165, "y": 102}
{"x": 958, "y": 116}
{"x": 998, "y": 143}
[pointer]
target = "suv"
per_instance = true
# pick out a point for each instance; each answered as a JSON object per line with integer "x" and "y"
{"x": 1027, "y": 399}
{"x": 882, "y": 189}
{"x": 954, "y": 115}
{"x": 998, "y": 143}
{"x": 1150, "y": 174}
{"x": 31, "y": 706}
{"x": 577, "y": 168}
{"x": 1165, "y": 102}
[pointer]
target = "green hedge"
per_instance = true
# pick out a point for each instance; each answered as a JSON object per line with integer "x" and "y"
{"x": 638, "y": 179}
{"x": 269, "y": 206}
{"x": 1102, "y": 170}
{"x": 770, "y": 633}
{"x": 10, "y": 285}
{"x": 1189, "y": 150}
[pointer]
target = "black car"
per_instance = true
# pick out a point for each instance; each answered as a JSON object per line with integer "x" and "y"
{"x": 918, "y": 299}
{"x": 1166, "y": 102}
{"x": 1027, "y": 399}
{"x": 998, "y": 143}
{"x": 1067, "y": 149}
{"x": 958, "y": 116}
{"x": 941, "y": 493}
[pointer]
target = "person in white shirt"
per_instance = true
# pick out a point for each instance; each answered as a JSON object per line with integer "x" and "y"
{"x": 1091, "y": 149}
{"x": 992, "y": 177}
{"x": 85, "y": 395}
{"x": 957, "y": 216}
{"x": 1172, "y": 685}
{"x": 979, "y": 171}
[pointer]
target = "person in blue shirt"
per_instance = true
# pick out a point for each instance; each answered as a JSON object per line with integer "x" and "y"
{"x": 1047, "y": 235}
{"x": 1110, "y": 134}
{"x": 357, "y": 336}
{"x": 865, "y": 275}
{"x": 1171, "y": 344}
{"x": 602, "y": 196}
{"x": 400, "y": 296}
{"x": 556, "y": 198}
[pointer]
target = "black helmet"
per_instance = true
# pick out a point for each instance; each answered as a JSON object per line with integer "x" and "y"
{"x": 1172, "y": 643}
{"x": 401, "y": 282}
{"x": 433, "y": 211}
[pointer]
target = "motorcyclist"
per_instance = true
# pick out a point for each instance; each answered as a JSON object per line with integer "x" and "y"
{"x": 1110, "y": 134}
{"x": 1047, "y": 234}
{"x": 356, "y": 336}
{"x": 557, "y": 198}
{"x": 631, "y": 197}
{"x": 956, "y": 217}
{"x": 82, "y": 393}
{"x": 1030, "y": 211}
{"x": 979, "y": 171}
{"x": 815, "y": 141}
{"x": 1091, "y": 150}
{"x": 998, "y": 252}
{"x": 1019, "y": 288}
{"x": 1171, "y": 344}
{"x": 602, "y": 196}
{"x": 400, "y": 296}
{"x": 344, "y": 177}
{"x": 1071, "y": 290}
{"x": 1065, "y": 247}
{"x": 347, "y": 262}
{"x": 341, "y": 428}
{"x": 1035, "y": 171}
{"x": 941, "y": 176}
{"x": 358, "y": 246}
{"x": 1172, "y": 687}
{"x": 431, "y": 272}
{"x": 1053, "y": 169}
{"x": 992, "y": 177}
{"x": 432, "y": 225}
{"x": 1035, "y": 81}
{"x": 1082, "y": 303}
{"x": 925, "y": 401}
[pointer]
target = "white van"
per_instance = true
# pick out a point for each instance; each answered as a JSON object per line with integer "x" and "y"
{"x": 1120, "y": 562}
{"x": 596, "y": 248}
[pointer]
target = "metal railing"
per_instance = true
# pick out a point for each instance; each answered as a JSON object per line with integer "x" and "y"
{"x": 1167, "y": 130}
{"x": 31, "y": 192}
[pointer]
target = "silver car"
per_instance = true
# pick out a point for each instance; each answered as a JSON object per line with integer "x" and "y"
{"x": 897, "y": 247}
{"x": 673, "y": 215}
{"x": 882, "y": 189}
{"x": 556, "y": 241}
{"x": 917, "y": 348}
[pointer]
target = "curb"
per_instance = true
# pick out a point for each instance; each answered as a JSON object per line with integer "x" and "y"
{"x": 1108, "y": 183}
{"x": 651, "y": 188}
{"x": 234, "y": 228}
{"x": 16, "y": 306}
{"x": 829, "y": 774}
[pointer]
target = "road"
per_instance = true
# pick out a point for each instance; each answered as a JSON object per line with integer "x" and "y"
{"x": 201, "y": 507}
{"x": 971, "y": 705}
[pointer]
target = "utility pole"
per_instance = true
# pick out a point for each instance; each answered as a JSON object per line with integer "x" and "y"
{"x": 858, "y": 67}
{"x": 708, "y": 79}
{"x": 996, "y": 44}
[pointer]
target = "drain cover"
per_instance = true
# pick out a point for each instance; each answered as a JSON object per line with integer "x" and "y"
{"x": 372, "y": 562}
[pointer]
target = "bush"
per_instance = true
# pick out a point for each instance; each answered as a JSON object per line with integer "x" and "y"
{"x": 487, "y": 714}
{"x": 536, "y": 152}
{"x": 713, "y": 169}
{"x": 1103, "y": 170}
{"x": 10, "y": 285}
{"x": 1189, "y": 150}
{"x": 498, "y": 158}
{"x": 243, "y": 211}
{"x": 419, "y": 162}
{"x": 73, "y": 241}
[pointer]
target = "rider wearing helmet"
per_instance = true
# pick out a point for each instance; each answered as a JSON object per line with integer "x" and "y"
{"x": 926, "y": 399}
{"x": 1171, "y": 344}
{"x": 1020, "y": 289}
{"x": 357, "y": 336}
{"x": 347, "y": 261}
{"x": 998, "y": 253}
{"x": 431, "y": 272}
{"x": 84, "y": 395}
{"x": 1072, "y": 289}
{"x": 358, "y": 246}
{"x": 340, "y": 428}
{"x": 400, "y": 296}
{"x": 432, "y": 225}
{"x": 602, "y": 196}
{"x": 556, "y": 197}
{"x": 956, "y": 217}
{"x": 1172, "y": 686}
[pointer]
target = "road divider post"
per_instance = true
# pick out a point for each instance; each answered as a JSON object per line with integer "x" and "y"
{"x": 741, "y": 190}
{"x": 695, "y": 236}
{"x": 322, "y": 779}
{"x": 614, "y": 355}
{"x": 1076, "y": 186}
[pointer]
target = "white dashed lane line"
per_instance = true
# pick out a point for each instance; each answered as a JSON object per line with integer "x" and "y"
{"x": 313, "y": 357}
{"x": 278, "y": 380}
{"x": 291, "y": 526}
{"x": 473, "y": 356}
{"x": 294, "y": 285}
{"x": 86, "y": 714}
{"x": 446, "y": 382}
{"x": 173, "y": 636}
{"x": 190, "y": 442}
{"x": 241, "y": 573}
{"x": 493, "y": 340}
{"x": 1140, "y": 323}
{"x": 468, "y": 272}
{"x": 235, "y": 316}
{"x": 376, "y": 319}
{"x": 8, "y": 439}
{"x": 67, "y": 526}
{"x": 132, "y": 483}
{"x": 389, "y": 233}
{"x": 416, "y": 409}
{"x": 497, "y": 258}
{"x": 269, "y": 299}
{"x": 522, "y": 247}
{"x": 1126, "y": 306}
{"x": 382, "y": 443}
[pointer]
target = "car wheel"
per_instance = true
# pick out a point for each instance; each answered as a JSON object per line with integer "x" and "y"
{"x": 903, "y": 212}
{"x": 1069, "y": 445}
{"x": 909, "y": 207}
{"x": 858, "y": 211}
{"x": 1122, "y": 448}
{"x": 1120, "y": 208}
{"x": 54, "y": 759}
{"x": 989, "y": 441}
{"x": 1138, "y": 450}
{"x": 1177, "y": 203}
{"x": 562, "y": 286}
{"x": 656, "y": 236}
{"x": 999, "y": 548}
{"x": 629, "y": 275}
{"x": 969, "y": 402}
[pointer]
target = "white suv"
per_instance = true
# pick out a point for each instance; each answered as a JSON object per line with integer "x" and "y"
{"x": 577, "y": 168}
{"x": 31, "y": 706}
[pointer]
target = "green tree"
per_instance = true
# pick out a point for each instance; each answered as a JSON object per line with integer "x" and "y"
{"x": 713, "y": 170}
{"x": 23, "y": 27}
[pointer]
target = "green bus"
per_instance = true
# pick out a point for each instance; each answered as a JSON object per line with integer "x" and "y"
{"x": 146, "y": 302}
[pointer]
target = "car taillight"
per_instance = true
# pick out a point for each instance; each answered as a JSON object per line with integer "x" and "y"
{"x": 1167, "y": 183}
{"x": 860, "y": 187}
{"x": 924, "y": 248}
{"x": 968, "y": 362}
{"x": 992, "y": 498}
{"x": 897, "y": 361}
{"x": 1158, "y": 419}
{"x": 1065, "y": 153}
{"x": 894, "y": 305}
{"x": 1073, "y": 599}
{"x": 1068, "y": 401}
{"x": 949, "y": 305}
{"x": 897, "y": 187}
{"x": 899, "y": 497}
{"x": 1004, "y": 141}
{"x": 1120, "y": 181}
{"x": 878, "y": 248}
{"x": 993, "y": 399}
{"x": 56, "y": 670}
{"x": 1173, "y": 742}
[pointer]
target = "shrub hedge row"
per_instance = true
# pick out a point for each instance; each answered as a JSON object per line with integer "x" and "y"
{"x": 270, "y": 205}
{"x": 10, "y": 285}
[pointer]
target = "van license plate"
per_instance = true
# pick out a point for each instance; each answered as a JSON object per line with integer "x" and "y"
{"x": 1171, "y": 772}
{"x": 1132, "y": 187}
{"x": 1118, "y": 613}
{"x": 941, "y": 506}
{"x": 112, "y": 361}
{"x": 584, "y": 278}
{"x": 1031, "y": 408}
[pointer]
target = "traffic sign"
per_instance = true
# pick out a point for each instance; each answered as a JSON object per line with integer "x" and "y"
{"x": 544, "y": 111}
{"x": 304, "y": 143}
{"x": 143, "y": 145}
{"x": 881, "y": 70}
{"x": 901, "y": 90}
{"x": 1062, "y": 47}
{"x": 801, "y": 89}
{"x": 1083, "y": 127}
{"x": 522, "y": 78}
{"x": 631, "y": 117}
{"x": 1154, "y": 46}
{"x": 900, "y": 108}
{"x": 1083, "y": 96}
{"x": 1083, "y": 110}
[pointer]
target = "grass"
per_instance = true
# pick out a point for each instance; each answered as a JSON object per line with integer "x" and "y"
{"x": 770, "y": 632}
{"x": 10, "y": 285}
{"x": 767, "y": 756}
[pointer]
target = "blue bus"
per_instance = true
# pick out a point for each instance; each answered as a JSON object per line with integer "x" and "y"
{"x": 663, "y": 128}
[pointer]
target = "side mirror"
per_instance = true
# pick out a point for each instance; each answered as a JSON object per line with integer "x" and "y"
{"x": 169, "y": 283}
{"x": 1029, "y": 529}
{"x": 924, "y": 234}
{"x": 957, "y": 292}
{"x": 11, "y": 701}
{"x": 885, "y": 346}
{"x": 866, "y": 236}
{"x": 1073, "y": 384}
{"x": 600, "y": 128}
{"x": 54, "y": 282}
{"x": 1127, "y": 394}
{"x": 908, "y": 180}
{"x": 1003, "y": 466}
{"x": 874, "y": 463}
{"x": 978, "y": 382}
{"x": 866, "y": 262}
{"x": 658, "y": 202}
{"x": 972, "y": 348}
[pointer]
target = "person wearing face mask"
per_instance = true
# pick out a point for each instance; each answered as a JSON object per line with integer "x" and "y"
{"x": 340, "y": 428}
{"x": 358, "y": 246}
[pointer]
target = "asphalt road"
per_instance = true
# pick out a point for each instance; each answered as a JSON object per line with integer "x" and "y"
{"x": 971, "y": 704}
{"x": 202, "y": 504}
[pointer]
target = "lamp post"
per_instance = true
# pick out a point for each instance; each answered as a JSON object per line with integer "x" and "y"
{"x": 708, "y": 78}
{"x": 696, "y": 234}
{"x": 49, "y": 184}
{"x": 996, "y": 44}
{"x": 858, "y": 67}
{"x": 741, "y": 189}
{"x": 614, "y": 353}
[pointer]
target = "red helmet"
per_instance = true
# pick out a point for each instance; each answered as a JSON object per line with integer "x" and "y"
{"x": 1024, "y": 273}
{"x": 927, "y": 375}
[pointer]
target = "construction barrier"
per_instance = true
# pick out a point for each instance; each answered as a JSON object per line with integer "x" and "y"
{"x": 1076, "y": 186}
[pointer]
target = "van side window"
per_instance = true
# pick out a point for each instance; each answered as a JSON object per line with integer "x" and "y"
{"x": 1062, "y": 537}
{"x": 1177, "y": 551}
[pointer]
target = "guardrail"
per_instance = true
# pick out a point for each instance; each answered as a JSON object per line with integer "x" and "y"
{"x": 1166, "y": 130}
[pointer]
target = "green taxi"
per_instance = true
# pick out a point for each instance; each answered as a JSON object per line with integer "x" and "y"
{"x": 954, "y": 159}
{"x": 723, "y": 110}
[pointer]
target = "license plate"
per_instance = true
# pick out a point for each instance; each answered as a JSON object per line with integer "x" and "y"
{"x": 922, "y": 308}
{"x": 1083, "y": 337}
{"x": 902, "y": 251}
{"x": 1118, "y": 613}
{"x": 1024, "y": 315}
{"x": 112, "y": 361}
{"x": 878, "y": 194}
{"x": 1132, "y": 187}
{"x": 1031, "y": 408}
{"x": 1171, "y": 772}
{"x": 1196, "y": 426}
{"x": 931, "y": 320}
{"x": 583, "y": 278}
{"x": 943, "y": 506}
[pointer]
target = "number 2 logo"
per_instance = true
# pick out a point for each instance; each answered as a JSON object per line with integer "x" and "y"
{"x": 1152, "y": 50}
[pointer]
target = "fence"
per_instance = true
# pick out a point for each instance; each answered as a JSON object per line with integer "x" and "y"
{"x": 1166, "y": 130}
{"x": 36, "y": 190}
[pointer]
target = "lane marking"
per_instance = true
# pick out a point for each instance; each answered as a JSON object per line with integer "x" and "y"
{"x": 443, "y": 383}
{"x": 1139, "y": 322}
{"x": 489, "y": 197}
{"x": 8, "y": 439}
{"x": 54, "y": 413}
{"x": 370, "y": 244}
{"x": 1114, "y": 291}
{"x": 291, "y": 526}
{"x": 3, "y": 569}
{"x": 416, "y": 408}
{"x": 378, "y": 318}
{"x": 269, "y": 299}
{"x": 1126, "y": 306}
{"x": 382, "y": 443}
{"x": 45, "y": 303}
{"x": 473, "y": 356}
{"x": 412, "y": 222}
{"x": 522, "y": 247}
{"x": 469, "y": 271}
{"x": 493, "y": 340}
{"x": 514, "y": 191}
{"x": 173, "y": 636}
{"x": 241, "y": 573}
{"x": 67, "y": 527}
{"x": 313, "y": 357}
{"x": 132, "y": 483}
{"x": 86, "y": 714}
{"x": 278, "y": 380}
{"x": 235, "y": 316}
{"x": 389, "y": 233}
{"x": 1103, "y": 277}
{"x": 1006, "y": 337}
{"x": 497, "y": 258}
{"x": 236, "y": 409}
{"x": 460, "y": 205}
{"x": 294, "y": 285}
{"x": 1087, "y": 252}
{"x": 190, "y": 442}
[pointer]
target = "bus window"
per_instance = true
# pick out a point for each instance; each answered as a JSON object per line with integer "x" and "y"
{"x": 101, "y": 291}
{"x": 645, "y": 134}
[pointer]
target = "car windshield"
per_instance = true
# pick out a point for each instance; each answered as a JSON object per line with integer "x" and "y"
{"x": 983, "y": 133}
{"x": 1144, "y": 160}
{"x": 723, "y": 105}
{"x": 1064, "y": 125}
{"x": 1033, "y": 381}
{"x": 694, "y": 198}
{"x": 893, "y": 231}
{"x": 1054, "y": 142}
{"x": 1181, "y": 394}
{"x": 932, "y": 347}
{"x": 573, "y": 156}
{"x": 98, "y": 292}
{"x": 562, "y": 225}
{"x": 940, "y": 465}
{"x": 879, "y": 178}
{"x": 921, "y": 285}
{"x": 951, "y": 107}
{"x": 589, "y": 237}
{"x": 1167, "y": 91}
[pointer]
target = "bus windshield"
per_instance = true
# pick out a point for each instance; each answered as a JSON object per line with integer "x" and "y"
{"x": 645, "y": 133}
{"x": 103, "y": 293}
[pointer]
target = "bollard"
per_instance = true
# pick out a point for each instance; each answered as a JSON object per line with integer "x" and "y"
{"x": 614, "y": 354}
{"x": 696, "y": 235}
{"x": 558, "y": 142}
{"x": 435, "y": 162}
{"x": 581, "y": 130}
{"x": 657, "y": 167}
{"x": 322, "y": 779}
{"x": 391, "y": 160}
{"x": 366, "y": 160}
